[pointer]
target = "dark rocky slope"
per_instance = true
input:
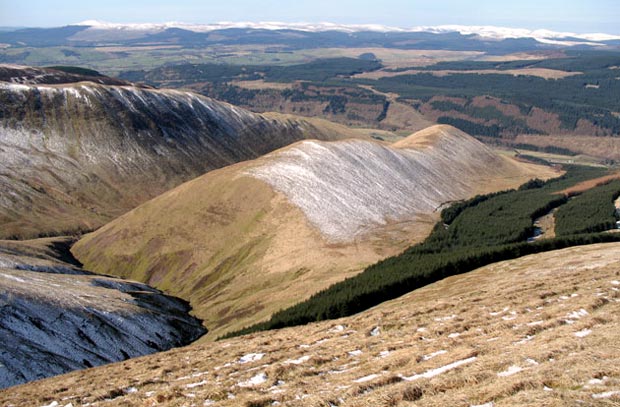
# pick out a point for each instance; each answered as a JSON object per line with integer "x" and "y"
{"x": 58, "y": 318}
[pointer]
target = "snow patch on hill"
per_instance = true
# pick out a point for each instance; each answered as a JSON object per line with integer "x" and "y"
{"x": 347, "y": 188}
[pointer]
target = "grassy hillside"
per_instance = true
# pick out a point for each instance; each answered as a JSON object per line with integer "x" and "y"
{"x": 541, "y": 329}
{"x": 242, "y": 242}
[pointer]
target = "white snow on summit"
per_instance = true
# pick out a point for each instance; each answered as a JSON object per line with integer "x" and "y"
{"x": 501, "y": 33}
{"x": 484, "y": 32}
{"x": 224, "y": 25}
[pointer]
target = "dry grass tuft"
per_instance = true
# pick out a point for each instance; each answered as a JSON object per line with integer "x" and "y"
{"x": 385, "y": 381}
{"x": 260, "y": 403}
{"x": 412, "y": 393}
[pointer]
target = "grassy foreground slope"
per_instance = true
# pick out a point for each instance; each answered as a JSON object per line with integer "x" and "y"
{"x": 539, "y": 330}
{"x": 242, "y": 242}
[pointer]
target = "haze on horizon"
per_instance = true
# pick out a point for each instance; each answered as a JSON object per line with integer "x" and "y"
{"x": 578, "y": 16}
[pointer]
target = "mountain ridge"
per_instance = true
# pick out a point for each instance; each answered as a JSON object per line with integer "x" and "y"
{"x": 306, "y": 36}
{"x": 76, "y": 155}
{"x": 484, "y": 31}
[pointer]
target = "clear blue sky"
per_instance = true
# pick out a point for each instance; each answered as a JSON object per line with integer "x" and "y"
{"x": 561, "y": 15}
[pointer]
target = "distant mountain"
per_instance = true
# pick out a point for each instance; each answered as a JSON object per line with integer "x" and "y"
{"x": 247, "y": 240}
{"x": 57, "y": 317}
{"x": 303, "y": 35}
{"x": 487, "y": 32}
{"x": 78, "y": 150}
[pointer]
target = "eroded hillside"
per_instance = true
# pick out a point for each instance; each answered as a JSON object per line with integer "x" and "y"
{"x": 242, "y": 242}
{"x": 539, "y": 330}
{"x": 75, "y": 155}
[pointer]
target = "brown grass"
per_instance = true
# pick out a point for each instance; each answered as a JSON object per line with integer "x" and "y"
{"x": 51, "y": 249}
{"x": 401, "y": 115}
{"x": 524, "y": 56}
{"x": 589, "y": 184}
{"x": 396, "y": 58}
{"x": 261, "y": 84}
{"x": 137, "y": 48}
{"x": 595, "y": 146}
{"x": 520, "y": 314}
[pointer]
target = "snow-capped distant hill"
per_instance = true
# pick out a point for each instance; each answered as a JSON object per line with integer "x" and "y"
{"x": 503, "y": 33}
{"x": 307, "y": 35}
{"x": 272, "y": 25}
{"x": 484, "y": 32}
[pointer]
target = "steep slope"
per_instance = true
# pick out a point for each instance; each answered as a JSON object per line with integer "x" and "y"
{"x": 56, "y": 317}
{"x": 74, "y": 156}
{"x": 539, "y": 330}
{"x": 242, "y": 242}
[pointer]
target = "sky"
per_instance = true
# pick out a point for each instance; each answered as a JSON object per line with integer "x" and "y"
{"x": 580, "y": 16}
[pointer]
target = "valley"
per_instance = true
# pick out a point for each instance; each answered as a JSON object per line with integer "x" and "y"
{"x": 259, "y": 236}
{"x": 504, "y": 102}
{"x": 76, "y": 155}
{"x": 308, "y": 214}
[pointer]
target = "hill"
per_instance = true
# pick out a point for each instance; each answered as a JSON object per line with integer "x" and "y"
{"x": 55, "y": 75}
{"x": 303, "y": 35}
{"x": 244, "y": 241}
{"x": 78, "y": 150}
{"x": 542, "y": 329}
{"x": 57, "y": 317}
